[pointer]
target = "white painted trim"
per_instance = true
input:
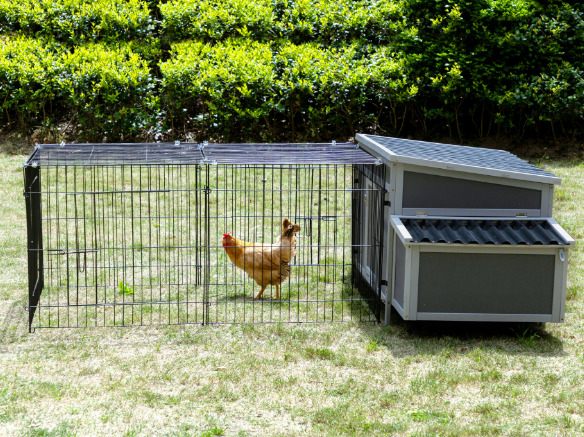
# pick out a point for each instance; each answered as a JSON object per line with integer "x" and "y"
{"x": 399, "y": 309}
{"x": 414, "y": 281}
{"x": 485, "y": 317}
{"x": 397, "y": 188}
{"x": 392, "y": 266}
{"x": 571, "y": 242}
{"x": 387, "y": 155}
{"x": 408, "y": 283}
{"x": 402, "y": 232}
{"x": 557, "y": 292}
{"x": 547, "y": 200}
{"x": 488, "y": 248}
{"x": 457, "y": 212}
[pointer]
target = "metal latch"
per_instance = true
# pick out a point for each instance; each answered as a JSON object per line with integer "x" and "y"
{"x": 562, "y": 255}
{"x": 422, "y": 213}
{"x": 521, "y": 214}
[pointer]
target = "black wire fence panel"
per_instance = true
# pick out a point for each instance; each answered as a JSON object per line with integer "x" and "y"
{"x": 142, "y": 244}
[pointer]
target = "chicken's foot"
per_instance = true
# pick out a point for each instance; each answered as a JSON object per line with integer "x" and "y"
{"x": 259, "y": 295}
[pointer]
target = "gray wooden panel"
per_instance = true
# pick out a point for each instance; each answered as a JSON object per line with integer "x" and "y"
{"x": 400, "y": 266}
{"x": 485, "y": 283}
{"x": 431, "y": 191}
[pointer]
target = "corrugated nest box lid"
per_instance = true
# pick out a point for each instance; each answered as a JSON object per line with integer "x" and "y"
{"x": 468, "y": 159}
{"x": 194, "y": 153}
{"x": 535, "y": 232}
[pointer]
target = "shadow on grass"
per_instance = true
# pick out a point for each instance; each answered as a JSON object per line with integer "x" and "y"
{"x": 409, "y": 338}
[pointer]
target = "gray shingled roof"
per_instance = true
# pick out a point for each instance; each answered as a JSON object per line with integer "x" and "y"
{"x": 463, "y": 158}
{"x": 509, "y": 232}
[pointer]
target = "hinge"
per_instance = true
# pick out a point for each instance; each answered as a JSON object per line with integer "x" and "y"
{"x": 387, "y": 203}
{"x": 384, "y": 282}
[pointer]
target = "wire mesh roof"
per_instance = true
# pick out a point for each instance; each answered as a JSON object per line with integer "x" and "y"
{"x": 193, "y": 153}
{"x": 511, "y": 232}
{"x": 463, "y": 158}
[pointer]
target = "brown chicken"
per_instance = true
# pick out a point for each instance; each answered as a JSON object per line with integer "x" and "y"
{"x": 267, "y": 264}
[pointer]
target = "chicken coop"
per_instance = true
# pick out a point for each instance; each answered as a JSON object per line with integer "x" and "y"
{"x": 134, "y": 234}
{"x": 470, "y": 234}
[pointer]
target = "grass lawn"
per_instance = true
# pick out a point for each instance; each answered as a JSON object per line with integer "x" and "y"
{"x": 331, "y": 379}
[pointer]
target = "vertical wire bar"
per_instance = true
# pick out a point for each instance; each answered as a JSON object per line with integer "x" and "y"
{"x": 58, "y": 262}
{"x": 141, "y": 239}
{"x": 293, "y": 203}
{"x": 67, "y": 247}
{"x": 336, "y": 227}
{"x": 187, "y": 241}
{"x": 76, "y": 248}
{"x": 113, "y": 240}
{"x": 233, "y": 193}
{"x": 122, "y": 241}
{"x": 319, "y": 243}
{"x": 251, "y": 222}
{"x": 200, "y": 225}
{"x": 48, "y": 237}
{"x": 171, "y": 235}
{"x": 106, "y": 270}
{"x": 309, "y": 185}
{"x": 179, "y": 263}
{"x": 97, "y": 259}
{"x": 132, "y": 241}
{"x": 151, "y": 225}
{"x": 219, "y": 182}
{"x": 247, "y": 234}
{"x": 207, "y": 263}
{"x": 85, "y": 248}
{"x": 281, "y": 200}
{"x": 159, "y": 236}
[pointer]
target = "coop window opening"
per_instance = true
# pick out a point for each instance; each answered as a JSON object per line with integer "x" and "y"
{"x": 131, "y": 234}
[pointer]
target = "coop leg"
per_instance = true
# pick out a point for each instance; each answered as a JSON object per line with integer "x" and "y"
{"x": 261, "y": 292}
{"x": 277, "y": 292}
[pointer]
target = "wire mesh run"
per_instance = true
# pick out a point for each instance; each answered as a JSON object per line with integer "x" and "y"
{"x": 124, "y": 235}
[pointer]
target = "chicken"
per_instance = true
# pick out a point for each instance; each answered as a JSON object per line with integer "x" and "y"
{"x": 267, "y": 264}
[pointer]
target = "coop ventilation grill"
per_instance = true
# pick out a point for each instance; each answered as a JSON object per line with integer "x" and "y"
{"x": 131, "y": 234}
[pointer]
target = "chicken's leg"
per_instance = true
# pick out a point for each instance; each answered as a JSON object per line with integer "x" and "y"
{"x": 277, "y": 292}
{"x": 261, "y": 292}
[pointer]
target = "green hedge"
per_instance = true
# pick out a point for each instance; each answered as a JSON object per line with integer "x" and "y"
{"x": 293, "y": 69}
{"x": 485, "y": 67}
{"x": 329, "y": 22}
{"x": 219, "y": 87}
{"x": 217, "y": 19}
{"x": 237, "y": 87}
{"x": 110, "y": 89}
{"x": 77, "y": 21}
{"x": 27, "y": 74}
{"x": 107, "y": 91}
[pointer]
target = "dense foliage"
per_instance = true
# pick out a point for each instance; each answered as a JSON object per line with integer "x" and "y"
{"x": 291, "y": 69}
